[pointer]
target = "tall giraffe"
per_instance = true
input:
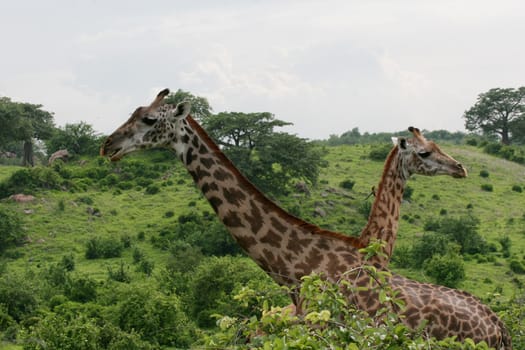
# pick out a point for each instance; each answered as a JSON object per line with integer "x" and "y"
{"x": 284, "y": 246}
{"x": 407, "y": 157}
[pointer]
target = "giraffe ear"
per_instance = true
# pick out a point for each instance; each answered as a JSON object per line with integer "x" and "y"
{"x": 182, "y": 110}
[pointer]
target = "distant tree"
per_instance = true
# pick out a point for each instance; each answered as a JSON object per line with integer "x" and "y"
{"x": 496, "y": 111}
{"x": 78, "y": 139}
{"x": 271, "y": 160}
{"x": 200, "y": 108}
{"x": 24, "y": 122}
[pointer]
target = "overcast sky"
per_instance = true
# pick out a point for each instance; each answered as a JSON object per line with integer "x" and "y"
{"x": 325, "y": 66}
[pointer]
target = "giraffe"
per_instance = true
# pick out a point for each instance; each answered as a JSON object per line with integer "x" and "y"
{"x": 407, "y": 157}
{"x": 286, "y": 247}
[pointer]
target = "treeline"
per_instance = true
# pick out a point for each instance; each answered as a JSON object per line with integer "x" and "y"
{"x": 355, "y": 137}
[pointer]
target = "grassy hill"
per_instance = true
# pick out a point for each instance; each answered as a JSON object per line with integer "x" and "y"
{"x": 63, "y": 220}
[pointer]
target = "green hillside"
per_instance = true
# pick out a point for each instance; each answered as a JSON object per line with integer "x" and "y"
{"x": 140, "y": 201}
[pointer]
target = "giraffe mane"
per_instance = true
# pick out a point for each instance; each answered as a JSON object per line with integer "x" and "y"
{"x": 314, "y": 229}
{"x": 388, "y": 162}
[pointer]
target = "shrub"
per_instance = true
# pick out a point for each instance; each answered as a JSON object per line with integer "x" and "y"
{"x": 80, "y": 288}
{"x": 364, "y": 209}
{"x": 447, "y": 270}
{"x": 18, "y": 296}
{"x": 506, "y": 243}
{"x": 407, "y": 193}
{"x": 121, "y": 274}
{"x": 380, "y": 153}
{"x": 487, "y": 187}
{"x": 157, "y": 317}
{"x": 77, "y": 329}
{"x": 463, "y": 230}
{"x": 428, "y": 245}
{"x": 484, "y": 173}
{"x": 11, "y": 229}
{"x": 146, "y": 266}
{"x": 138, "y": 255}
{"x": 517, "y": 188}
{"x": 214, "y": 282}
{"x": 86, "y": 200}
{"x": 347, "y": 184}
{"x": 97, "y": 247}
{"x": 125, "y": 185}
{"x": 152, "y": 189}
{"x": 517, "y": 266}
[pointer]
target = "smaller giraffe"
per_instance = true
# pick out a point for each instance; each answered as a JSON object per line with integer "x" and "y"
{"x": 407, "y": 157}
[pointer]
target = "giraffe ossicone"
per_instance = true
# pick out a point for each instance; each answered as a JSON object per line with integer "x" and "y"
{"x": 286, "y": 247}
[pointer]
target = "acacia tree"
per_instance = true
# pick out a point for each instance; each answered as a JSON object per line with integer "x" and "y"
{"x": 270, "y": 159}
{"x": 24, "y": 122}
{"x": 496, "y": 112}
{"x": 78, "y": 138}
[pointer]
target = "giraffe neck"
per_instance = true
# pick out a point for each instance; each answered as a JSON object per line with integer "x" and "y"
{"x": 383, "y": 220}
{"x": 285, "y": 246}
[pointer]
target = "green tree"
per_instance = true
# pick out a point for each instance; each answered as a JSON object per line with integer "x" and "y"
{"x": 24, "y": 122}
{"x": 269, "y": 159}
{"x": 496, "y": 111}
{"x": 78, "y": 139}
{"x": 200, "y": 108}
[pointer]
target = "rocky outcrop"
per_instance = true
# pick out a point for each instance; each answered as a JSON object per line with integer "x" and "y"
{"x": 60, "y": 154}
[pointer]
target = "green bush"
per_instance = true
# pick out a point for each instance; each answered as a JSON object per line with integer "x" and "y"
{"x": 517, "y": 266}
{"x": 77, "y": 330}
{"x": 18, "y": 296}
{"x": 152, "y": 189}
{"x": 487, "y": 187}
{"x": 506, "y": 243}
{"x": 464, "y": 231}
{"x": 30, "y": 180}
{"x": 429, "y": 244}
{"x": 379, "y": 153}
{"x": 98, "y": 247}
{"x": 121, "y": 274}
{"x": 447, "y": 270}
{"x": 517, "y": 188}
{"x": 215, "y": 281}
{"x": 484, "y": 173}
{"x": 11, "y": 229}
{"x": 407, "y": 193}
{"x": 80, "y": 288}
{"x": 347, "y": 184}
{"x": 159, "y": 318}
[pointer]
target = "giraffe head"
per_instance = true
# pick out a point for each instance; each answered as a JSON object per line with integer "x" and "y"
{"x": 423, "y": 157}
{"x": 156, "y": 125}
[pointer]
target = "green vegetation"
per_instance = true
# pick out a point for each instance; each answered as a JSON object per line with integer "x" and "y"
{"x": 90, "y": 251}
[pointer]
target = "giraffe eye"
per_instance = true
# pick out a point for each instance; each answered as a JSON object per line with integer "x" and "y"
{"x": 424, "y": 154}
{"x": 148, "y": 121}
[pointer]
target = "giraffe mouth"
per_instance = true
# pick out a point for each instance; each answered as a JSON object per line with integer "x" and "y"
{"x": 116, "y": 155}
